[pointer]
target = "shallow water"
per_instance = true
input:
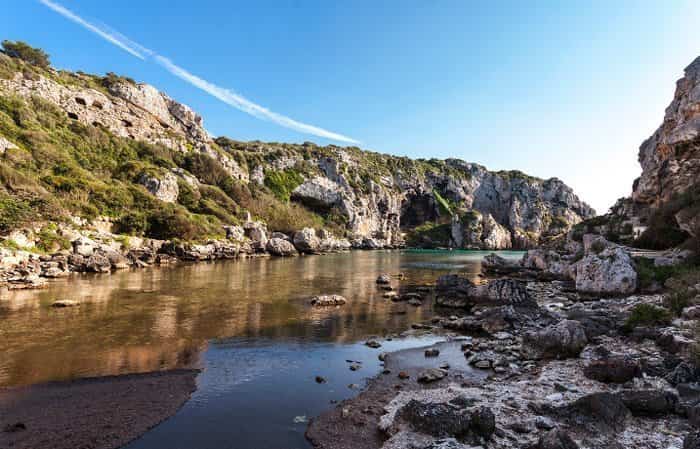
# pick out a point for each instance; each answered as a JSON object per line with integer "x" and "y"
{"x": 260, "y": 343}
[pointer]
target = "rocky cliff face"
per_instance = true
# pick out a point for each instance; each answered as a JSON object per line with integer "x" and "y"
{"x": 375, "y": 198}
{"x": 663, "y": 207}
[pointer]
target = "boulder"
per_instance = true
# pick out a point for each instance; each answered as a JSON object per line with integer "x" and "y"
{"x": 431, "y": 375}
{"x": 613, "y": 369}
{"x": 564, "y": 339}
{"x": 556, "y": 439}
{"x": 98, "y": 263}
{"x": 305, "y": 241}
{"x": 84, "y": 246}
{"x": 164, "y": 187}
{"x": 236, "y": 233}
{"x": 603, "y": 410}
{"x": 610, "y": 271}
{"x": 649, "y": 402}
{"x": 449, "y": 420}
{"x": 384, "y": 279}
{"x": 280, "y": 247}
{"x": 256, "y": 231}
{"x": 455, "y": 291}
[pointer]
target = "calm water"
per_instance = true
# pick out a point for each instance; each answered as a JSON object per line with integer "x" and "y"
{"x": 249, "y": 322}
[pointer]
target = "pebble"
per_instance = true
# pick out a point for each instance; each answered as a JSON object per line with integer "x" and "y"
{"x": 432, "y": 352}
{"x": 404, "y": 375}
{"x": 320, "y": 380}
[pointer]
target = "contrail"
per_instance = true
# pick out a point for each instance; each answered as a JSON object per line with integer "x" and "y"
{"x": 115, "y": 38}
{"x": 227, "y": 96}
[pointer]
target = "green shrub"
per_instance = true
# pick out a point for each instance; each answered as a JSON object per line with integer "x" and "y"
{"x": 49, "y": 240}
{"x": 429, "y": 235}
{"x": 442, "y": 203}
{"x": 283, "y": 183}
{"x": 14, "y": 212}
{"x": 647, "y": 315}
{"x": 27, "y": 53}
{"x": 132, "y": 223}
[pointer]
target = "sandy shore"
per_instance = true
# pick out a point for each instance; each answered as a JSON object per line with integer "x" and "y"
{"x": 94, "y": 413}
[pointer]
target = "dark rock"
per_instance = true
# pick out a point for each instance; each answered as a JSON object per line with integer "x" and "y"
{"x": 564, "y": 339}
{"x": 444, "y": 420}
{"x": 556, "y": 439}
{"x": 682, "y": 373}
{"x": 596, "y": 322}
{"x": 615, "y": 369}
{"x": 320, "y": 379}
{"x": 604, "y": 410}
{"x": 372, "y": 343}
{"x": 455, "y": 291}
{"x": 692, "y": 441}
{"x": 432, "y": 352}
{"x": 649, "y": 402}
{"x": 16, "y": 427}
{"x": 431, "y": 375}
{"x": 384, "y": 279}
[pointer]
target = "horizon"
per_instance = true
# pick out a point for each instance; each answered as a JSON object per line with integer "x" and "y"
{"x": 550, "y": 85}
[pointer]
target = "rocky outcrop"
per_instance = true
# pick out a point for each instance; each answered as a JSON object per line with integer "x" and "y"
{"x": 306, "y": 241}
{"x": 163, "y": 187}
{"x": 606, "y": 268}
{"x": 455, "y": 291}
{"x": 477, "y": 231}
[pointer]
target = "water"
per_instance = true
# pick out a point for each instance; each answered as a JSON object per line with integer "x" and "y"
{"x": 260, "y": 343}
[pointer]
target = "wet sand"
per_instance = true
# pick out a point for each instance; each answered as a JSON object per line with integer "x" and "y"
{"x": 353, "y": 423}
{"x": 95, "y": 413}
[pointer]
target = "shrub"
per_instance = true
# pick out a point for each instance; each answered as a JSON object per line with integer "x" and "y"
{"x": 132, "y": 223}
{"x": 27, "y": 53}
{"x": 647, "y": 315}
{"x": 283, "y": 183}
{"x": 442, "y": 203}
{"x": 14, "y": 212}
{"x": 49, "y": 240}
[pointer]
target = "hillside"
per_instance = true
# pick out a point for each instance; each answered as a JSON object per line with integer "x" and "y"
{"x": 107, "y": 153}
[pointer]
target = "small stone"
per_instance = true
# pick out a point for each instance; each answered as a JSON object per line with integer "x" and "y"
{"x": 431, "y": 375}
{"x": 482, "y": 364}
{"x": 404, "y": 375}
{"x": 355, "y": 367}
{"x": 544, "y": 423}
{"x": 65, "y": 303}
{"x": 382, "y": 356}
{"x": 432, "y": 352}
{"x": 415, "y": 302}
{"x": 372, "y": 343}
{"x": 320, "y": 380}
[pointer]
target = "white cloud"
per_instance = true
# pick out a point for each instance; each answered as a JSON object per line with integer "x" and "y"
{"x": 227, "y": 96}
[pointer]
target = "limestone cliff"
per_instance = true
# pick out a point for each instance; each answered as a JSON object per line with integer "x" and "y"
{"x": 663, "y": 207}
{"x": 373, "y": 199}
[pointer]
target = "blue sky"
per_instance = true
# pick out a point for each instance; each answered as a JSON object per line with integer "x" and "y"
{"x": 565, "y": 89}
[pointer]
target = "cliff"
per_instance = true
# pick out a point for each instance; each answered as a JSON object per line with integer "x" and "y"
{"x": 663, "y": 208}
{"x": 111, "y": 153}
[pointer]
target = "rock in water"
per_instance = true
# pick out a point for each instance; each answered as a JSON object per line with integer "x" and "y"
{"x": 328, "y": 300}
{"x": 280, "y": 247}
{"x": 306, "y": 241}
{"x": 60, "y": 303}
{"x": 431, "y": 375}
{"x": 384, "y": 279}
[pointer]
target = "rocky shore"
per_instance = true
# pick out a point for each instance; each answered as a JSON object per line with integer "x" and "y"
{"x": 94, "y": 251}
{"x": 572, "y": 349}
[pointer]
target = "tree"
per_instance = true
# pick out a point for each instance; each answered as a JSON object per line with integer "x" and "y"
{"x": 27, "y": 53}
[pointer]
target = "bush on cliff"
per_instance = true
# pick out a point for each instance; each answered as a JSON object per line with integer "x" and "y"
{"x": 27, "y": 53}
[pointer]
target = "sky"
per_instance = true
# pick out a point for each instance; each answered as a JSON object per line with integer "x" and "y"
{"x": 554, "y": 89}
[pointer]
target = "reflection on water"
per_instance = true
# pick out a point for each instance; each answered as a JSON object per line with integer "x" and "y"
{"x": 159, "y": 318}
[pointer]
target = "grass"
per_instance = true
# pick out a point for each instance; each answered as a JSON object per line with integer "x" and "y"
{"x": 283, "y": 183}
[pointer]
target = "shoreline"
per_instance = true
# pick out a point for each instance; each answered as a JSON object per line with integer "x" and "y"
{"x": 97, "y": 413}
